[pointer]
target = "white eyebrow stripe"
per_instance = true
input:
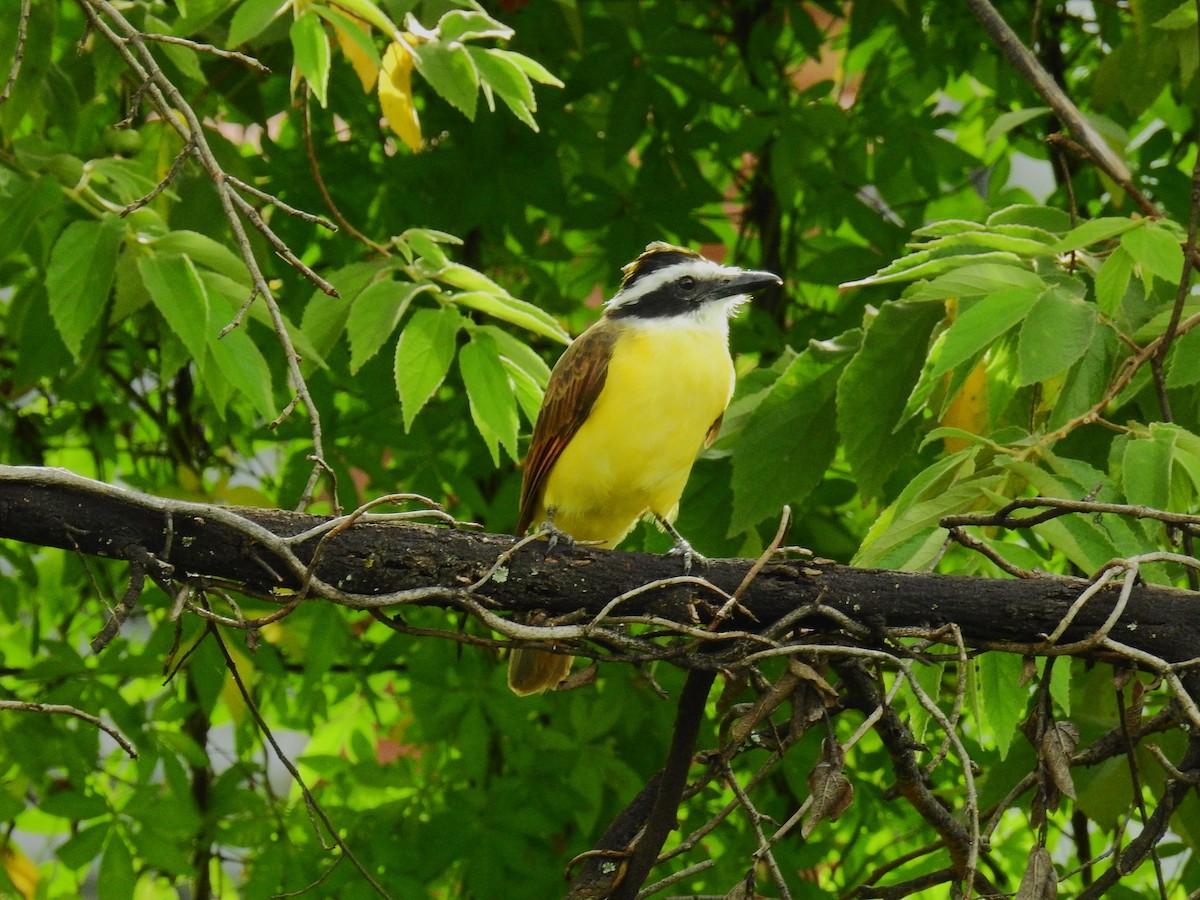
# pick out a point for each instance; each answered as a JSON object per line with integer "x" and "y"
{"x": 700, "y": 269}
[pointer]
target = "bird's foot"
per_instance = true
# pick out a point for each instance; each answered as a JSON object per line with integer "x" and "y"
{"x": 682, "y": 547}
{"x": 554, "y": 534}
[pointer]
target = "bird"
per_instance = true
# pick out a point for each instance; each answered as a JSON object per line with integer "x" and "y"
{"x": 627, "y": 408}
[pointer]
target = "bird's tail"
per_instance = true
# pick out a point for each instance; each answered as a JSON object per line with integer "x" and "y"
{"x": 534, "y": 671}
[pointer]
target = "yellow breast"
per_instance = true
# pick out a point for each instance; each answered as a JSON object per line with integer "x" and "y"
{"x": 664, "y": 389}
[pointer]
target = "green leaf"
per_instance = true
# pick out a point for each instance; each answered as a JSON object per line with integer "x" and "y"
{"x": 74, "y": 805}
{"x": 976, "y": 279}
{"x": 787, "y": 442}
{"x": 516, "y": 312}
{"x": 1002, "y": 697}
{"x": 1181, "y": 17}
{"x": 84, "y": 845}
{"x": 929, "y": 264}
{"x": 377, "y": 311}
{"x": 1086, "y": 381}
{"x": 423, "y": 356}
{"x": 979, "y": 325}
{"x": 1146, "y": 470}
{"x": 1156, "y": 250}
{"x": 204, "y": 251}
{"x": 241, "y": 362}
{"x": 490, "y": 395}
{"x": 869, "y": 407}
{"x": 116, "y": 879}
{"x": 466, "y": 25}
{"x": 180, "y": 296}
{"x": 531, "y": 67}
{"x": 1055, "y": 334}
{"x": 80, "y": 277}
{"x": 450, "y": 72}
{"x": 1044, "y": 218}
{"x": 1183, "y": 366}
{"x": 1095, "y": 230}
{"x": 354, "y": 30}
{"x": 506, "y": 79}
{"x": 310, "y": 43}
{"x": 369, "y": 12}
{"x": 251, "y": 17}
{"x": 1112, "y": 280}
{"x": 19, "y": 212}
{"x": 1006, "y": 122}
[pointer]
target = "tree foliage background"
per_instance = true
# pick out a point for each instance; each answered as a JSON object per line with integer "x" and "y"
{"x": 974, "y": 311}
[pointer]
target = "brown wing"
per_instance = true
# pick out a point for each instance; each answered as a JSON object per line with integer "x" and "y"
{"x": 713, "y": 430}
{"x": 574, "y": 385}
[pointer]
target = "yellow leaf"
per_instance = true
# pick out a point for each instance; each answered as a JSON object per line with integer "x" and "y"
{"x": 969, "y": 408}
{"x": 20, "y": 870}
{"x": 364, "y": 66}
{"x": 395, "y": 95}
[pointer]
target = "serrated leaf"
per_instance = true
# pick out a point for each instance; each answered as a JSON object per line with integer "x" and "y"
{"x": 369, "y": 12}
{"x": 395, "y": 94}
{"x": 181, "y": 298}
{"x": 792, "y": 442}
{"x": 310, "y": 44}
{"x": 1007, "y": 121}
{"x": 977, "y": 279}
{"x": 80, "y": 276}
{"x": 251, "y": 17}
{"x": 489, "y": 395}
{"x": 377, "y": 311}
{"x": 1146, "y": 470}
{"x": 924, "y": 264}
{"x": 203, "y": 251}
{"x": 1045, "y": 218}
{"x": 1183, "y": 367}
{"x": 981, "y": 324}
{"x": 1002, "y": 698}
{"x": 868, "y": 407}
{"x": 1086, "y": 380}
{"x": 1112, "y": 280}
{"x": 423, "y": 356}
{"x": 1055, "y": 334}
{"x": 531, "y": 67}
{"x": 1156, "y": 250}
{"x": 466, "y": 25}
{"x": 354, "y": 39}
{"x": 241, "y": 362}
{"x": 506, "y": 79}
{"x": 450, "y": 72}
{"x": 516, "y": 312}
{"x": 1095, "y": 230}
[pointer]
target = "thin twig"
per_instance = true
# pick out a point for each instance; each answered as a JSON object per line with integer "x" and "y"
{"x": 58, "y": 709}
{"x": 18, "y": 52}
{"x": 309, "y": 800}
{"x": 204, "y": 48}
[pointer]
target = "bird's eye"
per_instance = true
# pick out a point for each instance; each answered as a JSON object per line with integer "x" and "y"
{"x": 688, "y": 283}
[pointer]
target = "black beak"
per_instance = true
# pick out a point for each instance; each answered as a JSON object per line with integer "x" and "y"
{"x": 745, "y": 283}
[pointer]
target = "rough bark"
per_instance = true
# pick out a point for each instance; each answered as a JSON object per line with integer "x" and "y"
{"x": 57, "y": 509}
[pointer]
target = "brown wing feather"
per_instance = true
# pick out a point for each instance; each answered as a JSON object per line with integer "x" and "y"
{"x": 713, "y": 430}
{"x": 574, "y": 385}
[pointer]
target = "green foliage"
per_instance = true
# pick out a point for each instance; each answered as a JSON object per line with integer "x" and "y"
{"x": 987, "y": 358}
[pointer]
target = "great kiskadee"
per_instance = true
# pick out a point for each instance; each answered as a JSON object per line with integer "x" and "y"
{"x": 628, "y": 406}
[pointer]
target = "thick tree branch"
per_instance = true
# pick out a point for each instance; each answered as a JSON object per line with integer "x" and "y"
{"x": 376, "y": 564}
